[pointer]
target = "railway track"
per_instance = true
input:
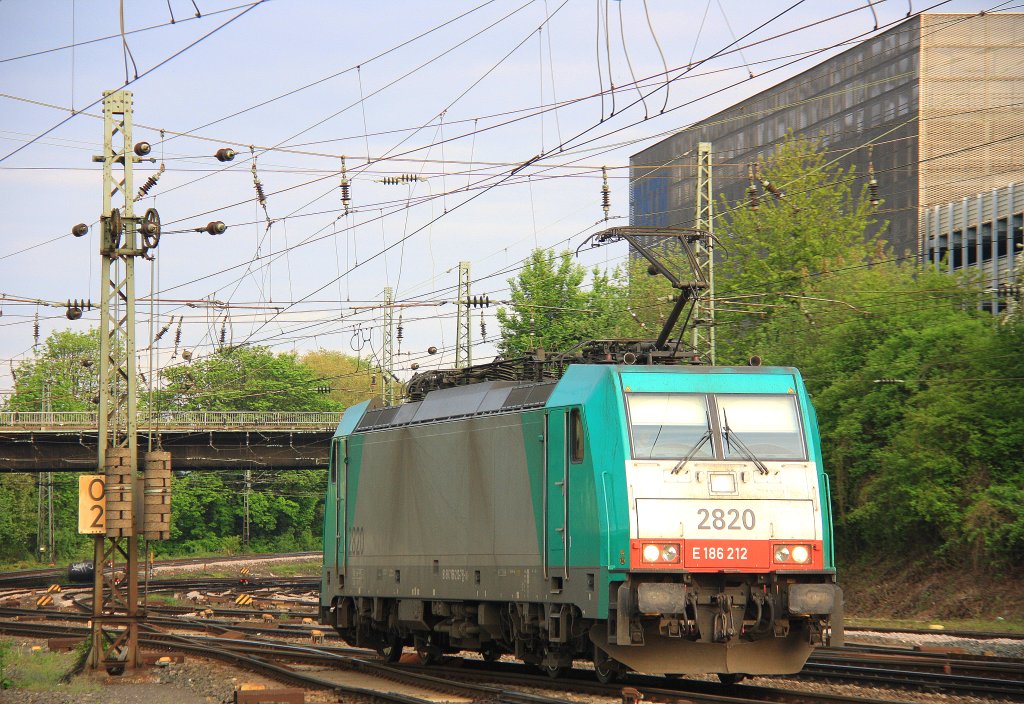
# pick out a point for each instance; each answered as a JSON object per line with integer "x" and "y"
{"x": 902, "y": 669}
{"x": 50, "y": 575}
{"x": 953, "y": 633}
{"x": 263, "y": 658}
{"x": 927, "y": 662}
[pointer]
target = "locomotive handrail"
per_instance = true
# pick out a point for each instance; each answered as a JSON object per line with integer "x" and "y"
{"x": 176, "y": 420}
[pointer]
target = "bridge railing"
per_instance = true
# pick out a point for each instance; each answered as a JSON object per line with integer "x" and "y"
{"x": 177, "y": 420}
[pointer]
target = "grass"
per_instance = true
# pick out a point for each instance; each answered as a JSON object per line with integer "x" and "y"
{"x": 167, "y": 600}
{"x": 19, "y": 565}
{"x": 42, "y": 671}
{"x": 950, "y": 624}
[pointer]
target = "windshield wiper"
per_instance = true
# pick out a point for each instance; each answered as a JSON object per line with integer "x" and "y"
{"x": 747, "y": 454}
{"x": 693, "y": 451}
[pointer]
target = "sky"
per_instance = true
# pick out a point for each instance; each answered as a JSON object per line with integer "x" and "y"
{"x": 500, "y": 114}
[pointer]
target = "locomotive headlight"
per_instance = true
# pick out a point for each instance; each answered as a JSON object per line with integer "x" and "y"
{"x": 722, "y": 482}
{"x": 793, "y": 554}
{"x": 801, "y": 554}
{"x": 660, "y": 552}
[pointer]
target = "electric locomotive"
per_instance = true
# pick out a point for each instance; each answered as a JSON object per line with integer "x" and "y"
{"x": 639, "y": 511}
{"x": 661, "y": 519}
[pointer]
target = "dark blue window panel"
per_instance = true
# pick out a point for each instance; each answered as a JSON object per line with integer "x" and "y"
{"x": 649, "y": 198}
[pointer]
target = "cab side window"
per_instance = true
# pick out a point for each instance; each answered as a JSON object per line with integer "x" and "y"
{"x": 575, "y": 436}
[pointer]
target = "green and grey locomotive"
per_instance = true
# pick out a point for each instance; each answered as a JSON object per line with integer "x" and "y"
{"x": 664, "y": 519}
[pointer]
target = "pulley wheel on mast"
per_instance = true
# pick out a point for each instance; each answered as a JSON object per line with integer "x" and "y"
{"x": 150, "y": 229}
{"x": 114, "y": 226}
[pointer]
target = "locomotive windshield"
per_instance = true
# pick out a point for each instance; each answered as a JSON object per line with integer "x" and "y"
{"x": 669, "y": 426}
{"x": 678, "y": 425}
{"x": 768, "y": 425}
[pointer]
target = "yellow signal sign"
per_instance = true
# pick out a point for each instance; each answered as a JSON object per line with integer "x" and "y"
{"x": 92, "y": 504}
{"x": 243, "y": 600}
{"x": 45, "y": 600}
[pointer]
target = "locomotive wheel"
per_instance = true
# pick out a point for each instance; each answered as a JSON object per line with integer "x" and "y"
{"x": 606, "y": 673}
{"x": 730, "y": 678}
{"x": 391, "y": 649}
{"x": 429, "y": 654}
{"x": 490, "y": 653}
{"x": 606, "y": 669}
{"x": 553, "y": 671}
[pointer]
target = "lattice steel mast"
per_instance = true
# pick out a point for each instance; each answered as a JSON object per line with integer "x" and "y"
{"x": 114, "y": 603}
{"x": 703, "y": 333}
{"x": 123, "y": 237}
{"x": 464, "y": 323}
{"x": 387, "y": 354}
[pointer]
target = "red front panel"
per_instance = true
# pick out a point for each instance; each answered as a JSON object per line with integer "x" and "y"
{"x": 726, "y": 555}
{"x": 715, "y": 555}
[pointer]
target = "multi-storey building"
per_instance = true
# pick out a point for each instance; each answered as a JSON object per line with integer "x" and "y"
{"x": 937, "y": 98}
{"x": 984, "y": 232}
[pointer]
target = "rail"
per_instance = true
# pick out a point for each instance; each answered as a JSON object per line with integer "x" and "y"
{"x": 176, "y": 420}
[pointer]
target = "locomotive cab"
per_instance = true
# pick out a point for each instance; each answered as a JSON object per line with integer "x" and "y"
{"x": 730, "y": 564}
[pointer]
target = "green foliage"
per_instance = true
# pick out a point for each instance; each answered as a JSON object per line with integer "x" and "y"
{"x": 61, "y": 376}
{"x": 244, "y": 379}
{"x": 928, "y": 458}
{"x": 921, "y": 417}
{"x": 286, "y": 508}
{"x": 348, "y": 377}
{"x": 207, "y": 512}
{"x": 818, "y": 220}
{"x": 41, "y": 671}
{"x": 17, "y": 516}
{"x": 552, "y": 309}
{"x": 6, "y": 647}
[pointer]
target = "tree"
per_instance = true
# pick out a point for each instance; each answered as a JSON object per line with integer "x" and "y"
{"x": 817, "y": 223}
{"x": 17, "y": 516}
{"x": 347, "y": 377}
{"x": 922, "y": 434}
{"x": 244, "y": 379}
{"x": 551, "y": 308}
{"x": 286, "y": 508}
{"x": 207, "y": 508}
{"x": 61, "y": 376}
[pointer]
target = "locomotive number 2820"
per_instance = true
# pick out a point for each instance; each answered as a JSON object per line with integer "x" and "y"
{"x": 720, "y": 519}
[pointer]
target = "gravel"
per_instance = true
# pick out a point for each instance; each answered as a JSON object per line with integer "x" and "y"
{"x": 195, "y": 681}
{"x": 999, "y": 647}
{"x": 201, "y": 681}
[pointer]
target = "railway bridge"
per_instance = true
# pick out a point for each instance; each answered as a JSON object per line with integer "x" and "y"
{"x": 197, "y": 440}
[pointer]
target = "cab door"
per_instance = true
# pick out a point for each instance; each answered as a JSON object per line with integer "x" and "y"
{"x": 556, "y": 496}
{"x": 339, "y": 476}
